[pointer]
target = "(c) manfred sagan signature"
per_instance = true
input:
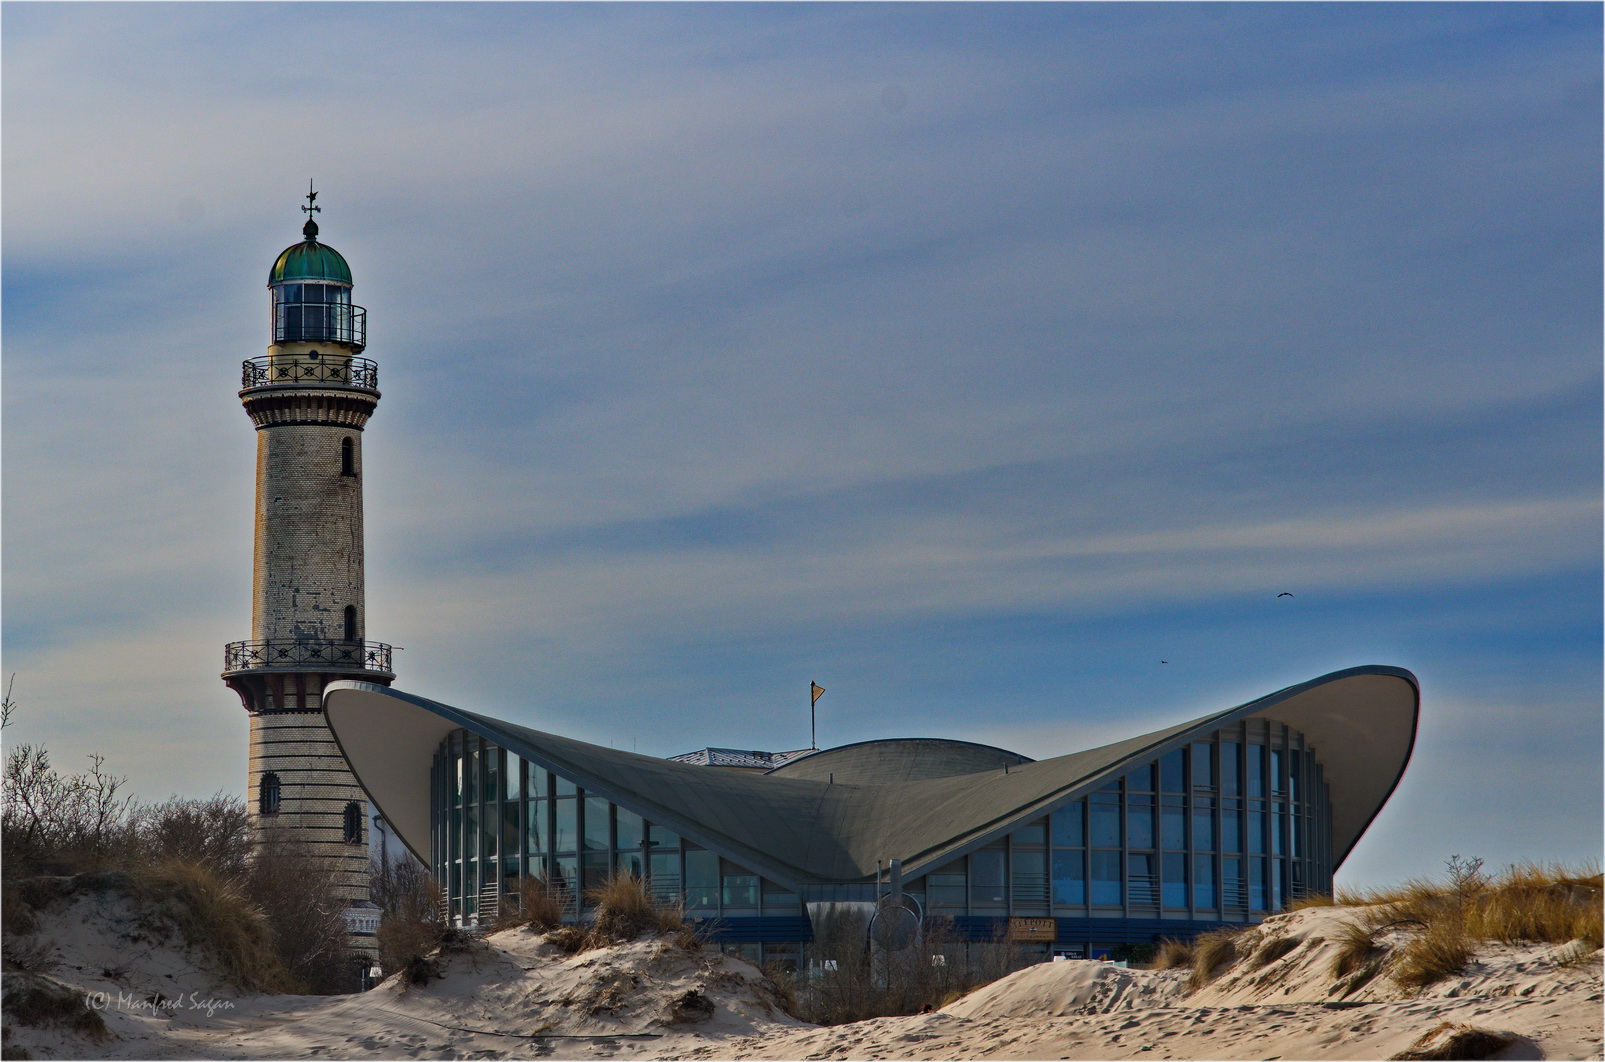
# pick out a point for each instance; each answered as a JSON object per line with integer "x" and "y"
{"x": 156, "y": 1004}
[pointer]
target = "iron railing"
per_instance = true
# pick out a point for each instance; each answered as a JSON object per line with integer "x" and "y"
{"x": 250, "y": 656}
{"x": 288, "y": 370}
{"x": 320, "y": 322}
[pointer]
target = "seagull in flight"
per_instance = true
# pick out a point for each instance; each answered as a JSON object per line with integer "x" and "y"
{"x": 1284, "y": 593}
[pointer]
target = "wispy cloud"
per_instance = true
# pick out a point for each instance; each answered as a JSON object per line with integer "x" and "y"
{"x": 724, "y": 343}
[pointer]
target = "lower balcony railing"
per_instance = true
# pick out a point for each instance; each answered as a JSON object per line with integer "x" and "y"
{"x": 249, "y": 656}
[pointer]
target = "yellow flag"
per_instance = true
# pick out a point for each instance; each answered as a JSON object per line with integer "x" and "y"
{"x": 816, "y": 689}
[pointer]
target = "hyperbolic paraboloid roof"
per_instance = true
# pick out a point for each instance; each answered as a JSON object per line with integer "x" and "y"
{"x": 832, "y": 815}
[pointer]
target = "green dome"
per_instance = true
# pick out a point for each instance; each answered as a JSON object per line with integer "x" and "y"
{"x": 310, "y": 260}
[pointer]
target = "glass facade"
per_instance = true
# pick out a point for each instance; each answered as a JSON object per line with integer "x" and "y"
{"x": 1228, "y": 828}
{"x": 499, "y": 818}
{"x": 1174, "y": 837}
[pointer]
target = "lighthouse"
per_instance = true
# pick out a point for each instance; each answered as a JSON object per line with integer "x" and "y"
{"x": 309, "y": 397}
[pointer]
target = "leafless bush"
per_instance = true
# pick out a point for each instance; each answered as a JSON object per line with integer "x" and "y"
{"x": 61, "y": 823}
{"x": 848, "y": 979}
{"x": 297, "y": 892}
{"x": 410, "y": 926}
{"x": 214, "y": 833}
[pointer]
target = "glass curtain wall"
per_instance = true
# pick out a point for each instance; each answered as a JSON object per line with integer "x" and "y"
{"x": 1229, "y": 827}
{"x": 499, "y": 818}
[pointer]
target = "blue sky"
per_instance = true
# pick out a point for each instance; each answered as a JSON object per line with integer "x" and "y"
{"x": 968, "y": 359}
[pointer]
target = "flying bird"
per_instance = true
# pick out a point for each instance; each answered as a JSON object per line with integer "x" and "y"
{"x": 1284, "y": 593}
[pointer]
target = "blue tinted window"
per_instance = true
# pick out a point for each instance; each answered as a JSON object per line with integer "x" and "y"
{"x": 596, "y": 824}
{"x": 1256, "y": 770}
{"x": 535, "y": 828}
{"x": 1175, "y": 826}
{"x": 701, "y": 878}
{"x": 1256, "y": 884}
{"x": 515, "y": 777}
{"x": 987, "y": 877}
{"x": 1204, "y": 827}
{"x": 1170, "y": 772}
{"x": 1231, "y": 831}
{"x": 629, "y": 827}
{"x": 566, "y": 831}
{"x": 1256, "y": 830}
{"x": 1276, "y": 771}
{"x": 1203, "y": 881}
{"x": 1033, "y": 834}
{"x": 1142, "y": 883}
{"x": 1141, "y": 780}
{"x": 1228, "y": 767}
{"x": 1175, "y": 889}
{"x": 1106, "y": 878}
{"x": 1140, "y": 823}
{"x": 1203, "y": 765}
{"x": 1069, "y": 878}
{"x": 1105, "y": 824}
{"x": 1068, "y": 828}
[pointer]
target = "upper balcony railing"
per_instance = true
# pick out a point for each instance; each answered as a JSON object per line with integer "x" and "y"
{"x": 322, "y": 370}
{"x": 320, "y": 322}
{"x": 307, "y": 656}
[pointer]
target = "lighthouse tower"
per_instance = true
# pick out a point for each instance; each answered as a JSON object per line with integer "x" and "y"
{"x": 309, "y": 398}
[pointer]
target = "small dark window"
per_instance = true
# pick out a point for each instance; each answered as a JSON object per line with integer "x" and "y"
{"x": 351, "y": 623}
{"x": 353, "y": 823}
{"x": 348, "y": 457}
{"x": 267, "y": 797}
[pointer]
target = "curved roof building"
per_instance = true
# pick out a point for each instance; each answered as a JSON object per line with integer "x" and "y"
{"x": 1221, "y": 819}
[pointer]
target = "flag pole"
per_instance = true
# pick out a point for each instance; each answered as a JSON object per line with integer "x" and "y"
{"x": 814, "y": 690}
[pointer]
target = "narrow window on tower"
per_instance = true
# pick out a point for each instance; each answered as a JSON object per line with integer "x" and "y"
{"x": 353, "y": 823}
{"x": 267, "y": 797}
{"x": 348, "y": 457}
{"x": 351, "y": 623}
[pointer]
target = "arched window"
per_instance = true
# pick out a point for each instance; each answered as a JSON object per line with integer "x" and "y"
{"x": 348, "y": 457}
{"x": 267, "y": 795}
{"x": 353, "y": 823}
{"x": 351, "y": 623}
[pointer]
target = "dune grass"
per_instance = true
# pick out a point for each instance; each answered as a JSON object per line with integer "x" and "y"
{"x": 626, "y": 910}
{"x": 214, "y": 914}
{"x": 1212, "y": 952}
{"x": 1174, "y": 954}
{"x": 1525, "y": 903}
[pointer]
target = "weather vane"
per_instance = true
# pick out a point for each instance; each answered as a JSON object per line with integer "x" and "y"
{"x": 311, "y": 207}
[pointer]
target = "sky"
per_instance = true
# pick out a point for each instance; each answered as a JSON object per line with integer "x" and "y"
{"x": 998, "y": 367}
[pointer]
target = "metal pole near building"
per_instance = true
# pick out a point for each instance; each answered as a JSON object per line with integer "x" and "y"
{"x": 814, "y": 690}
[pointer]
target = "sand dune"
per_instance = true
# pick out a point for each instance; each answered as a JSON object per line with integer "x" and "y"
{"x": 515, "y": 995}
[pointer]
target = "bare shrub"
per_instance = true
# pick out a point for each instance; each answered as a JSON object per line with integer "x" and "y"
{"x": 1211, "y": 952}
{"x": 847, "y": 979}
{"x": 297, "y": 892}
{"x": 51, "y": 823}
{"x": 410, "y": 923}
{"x": 214, "y": 833}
